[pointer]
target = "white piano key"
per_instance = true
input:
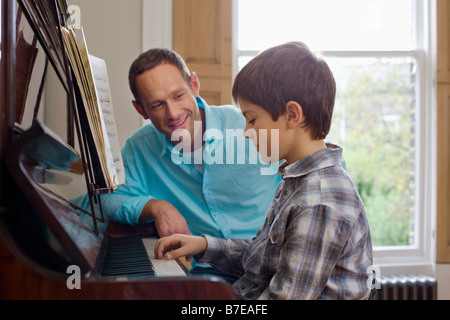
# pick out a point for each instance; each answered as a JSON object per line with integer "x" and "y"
{"x": 164, "y": 267}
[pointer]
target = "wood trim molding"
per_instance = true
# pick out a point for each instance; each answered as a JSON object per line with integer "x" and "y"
{"x": 443, "y": 41}
{"x": 443, "y": 133}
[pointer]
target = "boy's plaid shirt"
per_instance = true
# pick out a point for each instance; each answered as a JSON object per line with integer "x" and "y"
{"x": 315, "y": 243}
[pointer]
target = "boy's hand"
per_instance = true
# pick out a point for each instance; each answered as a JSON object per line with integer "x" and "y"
{"x": 179, "y": 245}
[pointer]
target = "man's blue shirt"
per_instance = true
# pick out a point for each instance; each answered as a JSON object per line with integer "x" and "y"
{"x": 227, "y": 196}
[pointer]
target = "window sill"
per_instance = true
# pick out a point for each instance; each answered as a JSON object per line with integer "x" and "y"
{"x": 398, "y": 269}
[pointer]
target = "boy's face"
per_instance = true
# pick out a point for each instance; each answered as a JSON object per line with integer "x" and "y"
{"x": 168, "y": 100}
{"x": 265, "y": 133}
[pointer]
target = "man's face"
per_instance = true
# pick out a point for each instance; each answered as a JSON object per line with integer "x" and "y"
{"x": 168, "y": 100}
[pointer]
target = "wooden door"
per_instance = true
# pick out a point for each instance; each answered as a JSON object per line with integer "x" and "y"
{"x": 202, "y": 36}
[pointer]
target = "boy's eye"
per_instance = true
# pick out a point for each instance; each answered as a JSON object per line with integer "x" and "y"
{"x": 252, "y": 122}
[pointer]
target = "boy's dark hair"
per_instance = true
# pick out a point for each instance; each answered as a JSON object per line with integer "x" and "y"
{"x": 290, "y": 72}
{"x": 153, "y": 58}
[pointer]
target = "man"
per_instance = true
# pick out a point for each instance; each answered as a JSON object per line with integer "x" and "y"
{"x": 190, "y": 170}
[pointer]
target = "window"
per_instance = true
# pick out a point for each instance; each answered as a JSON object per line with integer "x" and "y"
{"x": 379, "y": 53}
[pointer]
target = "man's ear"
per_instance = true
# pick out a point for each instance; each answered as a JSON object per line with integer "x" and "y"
{"x": 294, "y": 114}
{"x": 139, "y": 109}
{"x": 195, "y": 84}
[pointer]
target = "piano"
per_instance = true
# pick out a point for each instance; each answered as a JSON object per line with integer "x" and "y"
{"x": 50, "y": 247}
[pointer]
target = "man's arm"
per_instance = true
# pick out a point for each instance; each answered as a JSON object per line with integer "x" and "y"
{"x": 168, "y": 220}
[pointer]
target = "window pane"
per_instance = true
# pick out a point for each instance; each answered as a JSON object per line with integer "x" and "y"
{"x": 243, "y": 60}
{"x": 374, "y": 121}
{"x": 375, "y": 113}
{"x": 327, "y": 24}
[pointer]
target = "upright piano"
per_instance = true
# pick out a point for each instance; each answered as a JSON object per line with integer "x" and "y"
{"x": 43, "y": 233}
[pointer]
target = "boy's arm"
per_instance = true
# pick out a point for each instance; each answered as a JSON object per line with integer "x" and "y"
{"x": 224, "y": 254}
{"x": 313, "y": 244}
{"x": 180, "y": 245}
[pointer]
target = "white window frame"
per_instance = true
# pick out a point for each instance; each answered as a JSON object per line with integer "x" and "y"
{"x": 157, "y": 15}
{"x": 417, "y": 258}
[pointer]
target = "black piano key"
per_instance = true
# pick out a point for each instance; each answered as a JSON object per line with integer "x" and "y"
{"x": 126, "y": 257}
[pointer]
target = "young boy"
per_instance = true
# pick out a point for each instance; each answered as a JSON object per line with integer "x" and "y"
{"x": 315, "y": 242}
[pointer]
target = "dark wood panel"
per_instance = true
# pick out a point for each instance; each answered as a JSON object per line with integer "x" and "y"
{"x": 24, "y": 279}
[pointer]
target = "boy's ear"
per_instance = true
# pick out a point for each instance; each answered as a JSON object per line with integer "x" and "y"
{"x": 139, "y": 109}
{"x": 294, "y": 114}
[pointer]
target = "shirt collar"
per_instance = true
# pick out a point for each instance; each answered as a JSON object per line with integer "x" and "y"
{"x": 213, "y": 123}
{"x": 328, "y": 157}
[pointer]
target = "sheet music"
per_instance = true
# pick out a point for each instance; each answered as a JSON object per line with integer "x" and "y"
{"x": 164, "y": 267}
{"x": 83, "y": 50}
{"x": 76, "y": 48}
{"x": 101, "y": 80}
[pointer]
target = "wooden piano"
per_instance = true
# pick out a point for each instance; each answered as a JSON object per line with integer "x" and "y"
{"x": 42, "y": 232}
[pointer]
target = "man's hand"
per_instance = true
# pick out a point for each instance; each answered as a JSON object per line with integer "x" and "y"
{"x": 168, "y": 220}
{"x": 179, "y": 245}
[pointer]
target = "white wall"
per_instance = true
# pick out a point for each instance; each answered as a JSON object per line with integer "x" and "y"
{"x": 113, "y": 31}
{"x": 118, "y": 31}
{"x": 443, "y": 280}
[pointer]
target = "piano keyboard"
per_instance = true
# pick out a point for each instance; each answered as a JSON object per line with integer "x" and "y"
{"x": 164, "y": 267}
{"x": 131, "y": 257}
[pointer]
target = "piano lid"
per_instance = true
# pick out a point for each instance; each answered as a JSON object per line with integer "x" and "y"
{"x": 43, "y": 161}
{"x": 50, "y": 174}
{"x": 41, "y": 14}
{"x": 40, "y": 79}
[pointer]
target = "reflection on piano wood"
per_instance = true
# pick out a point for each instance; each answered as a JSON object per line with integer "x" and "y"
{"x": 23, "y": 278}
{"x": 42, "y": 230}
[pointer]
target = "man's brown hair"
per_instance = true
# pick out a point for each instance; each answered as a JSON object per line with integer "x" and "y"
{"x": 152, "y": 59}
{"x": 290, "y": 72}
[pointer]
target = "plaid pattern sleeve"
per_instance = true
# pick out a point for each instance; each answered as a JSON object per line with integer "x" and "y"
{"x": 315, "y": 242}
{"x": 226, "y": 254}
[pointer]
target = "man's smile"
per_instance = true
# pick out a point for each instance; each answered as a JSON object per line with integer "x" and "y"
{"x": 178, "y": 125}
